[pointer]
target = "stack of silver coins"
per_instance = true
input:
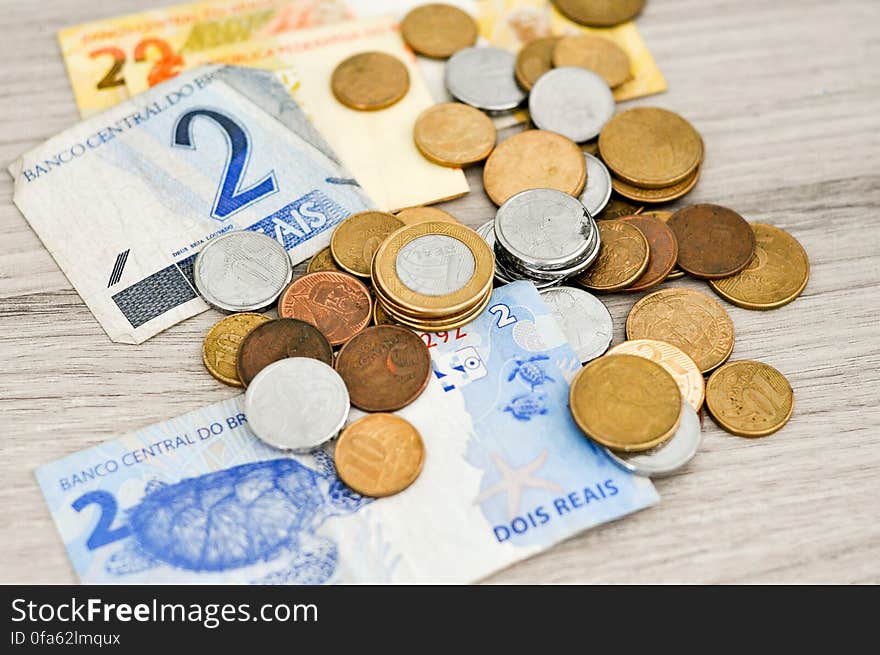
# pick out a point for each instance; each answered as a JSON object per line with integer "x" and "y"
{"x": 542, "y": 235}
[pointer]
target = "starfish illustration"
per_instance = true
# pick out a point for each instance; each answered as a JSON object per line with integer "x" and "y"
{"x": 514, "y": 480}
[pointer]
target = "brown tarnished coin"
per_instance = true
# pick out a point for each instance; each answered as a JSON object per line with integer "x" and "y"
{"x": 598, "y": 54}
{"x": 385, "y": 367}
{"x": 689, "y": 320}
{"x": 438, "y": 30}
{"x": 664, "y": 216}
{"x": 534, "y": 59}
{"x": 600, "y": 13}
{"x": 414, "y": 215}
{"x": 777, "y": 274}
{"x": 663, "y": 194}
{"x": 322, "y": 261}
{"x": 534, "y": 159}
{"x": 338, "y": 304}
{"x": 279, "y": 339}
{"x": 453, "y": 134}
{"x": 617, "y": 207}
{"x": 623, "y": 258}
{"x": 713, "y": 241}
{"x": 220, "y": 348}
{"x": 625, "y": 402}
{"x": 676, "y": 362}
{"x": 379, "y": 455}
{"x": 369, "y": 81}
{"x": 663, "y": 247}
{"x": 650, "y": 147}
{"x": 749, "y": 399}
{"x": 356, "y": 239}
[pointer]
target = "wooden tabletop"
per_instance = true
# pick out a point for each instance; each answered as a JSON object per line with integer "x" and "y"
{"x": 787, "y": 97}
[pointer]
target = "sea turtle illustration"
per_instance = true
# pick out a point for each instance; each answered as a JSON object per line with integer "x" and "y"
{"x": 527, "y": 405}
{"x": 241, "y": 516}
{"x": 529, "y": 372}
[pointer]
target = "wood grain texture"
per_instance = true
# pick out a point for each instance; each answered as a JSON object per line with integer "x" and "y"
{"x": 787, "y": 98}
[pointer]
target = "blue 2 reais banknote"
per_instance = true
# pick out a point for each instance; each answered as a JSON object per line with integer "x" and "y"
{"x": 199, "y": 499}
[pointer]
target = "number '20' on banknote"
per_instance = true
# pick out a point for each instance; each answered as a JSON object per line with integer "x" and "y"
{"x": 198, "y": 499}
{"x": 126, "y": 199}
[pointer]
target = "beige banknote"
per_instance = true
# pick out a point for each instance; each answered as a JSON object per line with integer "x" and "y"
{"x": 377, "y": 147}
{"x": 96, "y": 53}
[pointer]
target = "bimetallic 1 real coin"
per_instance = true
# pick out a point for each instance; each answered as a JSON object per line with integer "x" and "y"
{"x": 275, "y": 340}
{"x": 584, "y": 319}
{"x": 484, "y": 78}
{"x": 571, "y": 101}
{"x": 296, "y": 403}
{"x": 454, "y": 134}
{"x": 689, "y": 320}
{"x": 242, "y": 271}
{"x": 777, "y": 274}
{"x": 625, "y": 403}
{"x": 534, "y": 159}
{"x": 221, "y": 345}
{"x": 749, "y": 399}
{"x": 597, "y": 191}
{"x": 623, "y": 258}
{"x": 668, "y": 457}
{"x": 379, "y": 455}
{"x": 677, "y": 363}
{"x": 544, "y": 228}
{"x": 438, "y": 30}
{"x": 594, "y": 53}
{"x": 370, "y": 81}
{"x": 713, "y": 241}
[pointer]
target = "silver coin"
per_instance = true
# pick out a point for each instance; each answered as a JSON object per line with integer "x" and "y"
{"x": 242, "y": 271}
{"x": 571, "y": 101}
{"x": 544, "y": 228}
{"x": 484, "y": 78}
{"x": 597, "y": 191}
{"x": 296, "y": 403}
{"x": 487, "y": 232}
{"x": 435, "y": 265}
{"x": 669, "y": 457}
{"x": 584, "y": 319}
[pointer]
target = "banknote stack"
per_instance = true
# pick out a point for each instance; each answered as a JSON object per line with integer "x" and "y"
{"x": 427, "y": 402}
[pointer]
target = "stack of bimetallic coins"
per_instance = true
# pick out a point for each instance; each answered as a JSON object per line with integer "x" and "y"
{"x": 433, "y": 276}
{"x": 542, "y": 235}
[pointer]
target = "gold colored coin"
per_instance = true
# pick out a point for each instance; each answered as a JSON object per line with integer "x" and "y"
{"x": 357, "y": 238}
{"x": 322, "y": 261}
{"x": 534, "y": 159}
{"x": 454, "y": 134}
{"x": 433, "y": 270}
{"x": 681, "y": 367}
{"x": 617, "y": 207}
{"x": 380, "y": 317}
{"x": 438, "y": 30}
{"x": 650, "y": 147}
{"x": 598, "y": 54}
{"x": 448, "y": 323}
{"x": 625, "y": 402}
{"x": 414, "y": 215}
{"x": 689, "y": 320}
{"x": 777, "y": 274}
{"x": 749, "y": 399}
{"x": 370, "y": 81}
{"x": 599, "y": 13}
{"x": 662, "y": 194}
{"x": 379, "y": 455}
{"x": 534, "y": 59}
{"x": 220, "y": 348}
{"x": 623, "y": 258}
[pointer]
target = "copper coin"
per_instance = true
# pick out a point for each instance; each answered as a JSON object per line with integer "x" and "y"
{"x": 385, "y": 367}
{"x": 664, "y": 251}
{"x": 337, "y": 303}
{"x": 369, "y": 81}
{"x": 676, "y": 272}
{"x": 279, "y": 339}
{"x": 598, "y": 54}
{"x": 534, "y": 59}
{"x": 713, "y": 241}
{"x": 379, "y": 455}
{"x": 438, "y": 30}
{"x": 599, "y": 13}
